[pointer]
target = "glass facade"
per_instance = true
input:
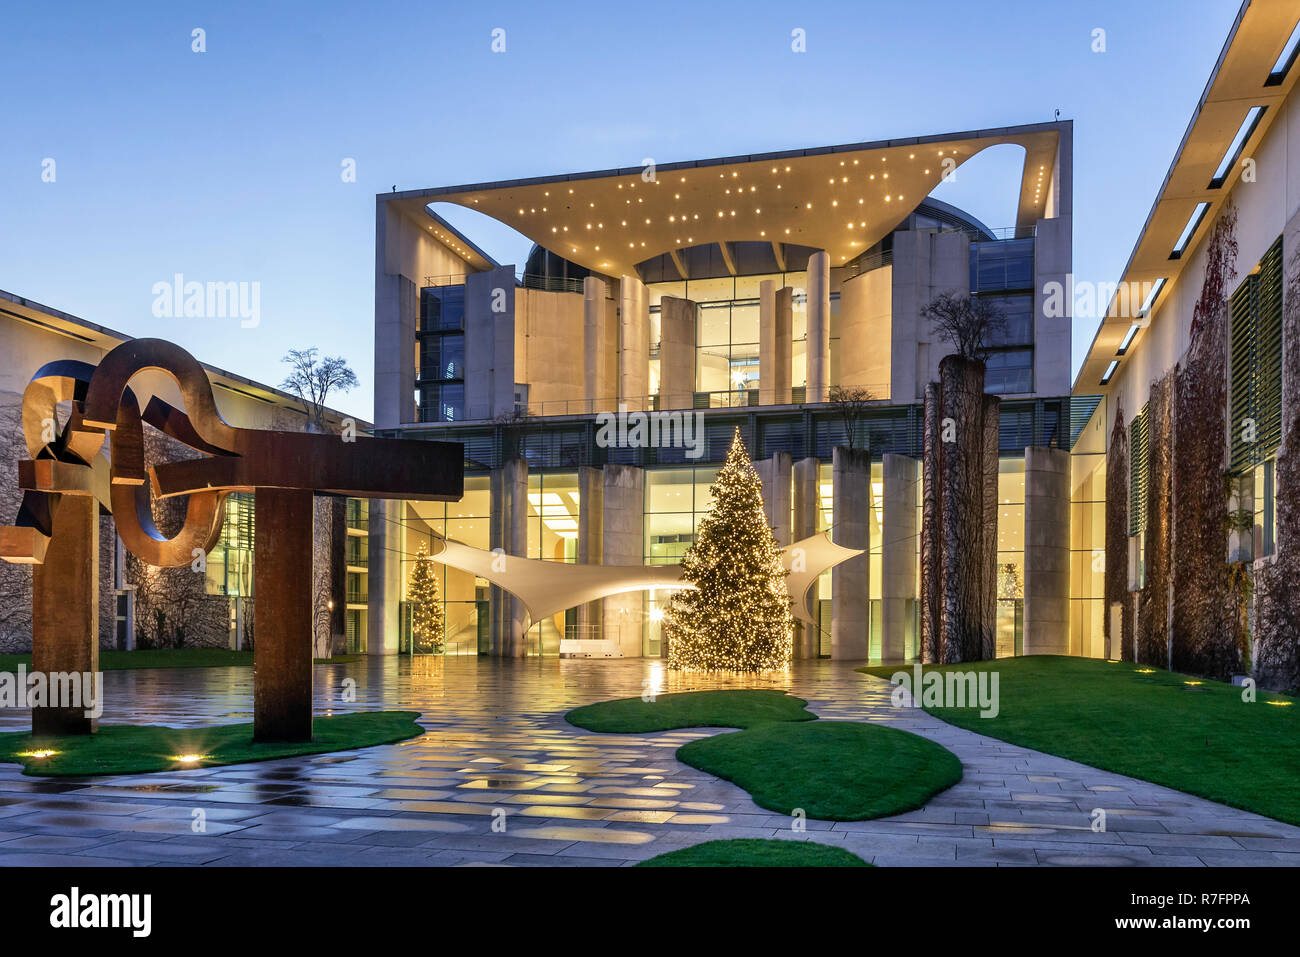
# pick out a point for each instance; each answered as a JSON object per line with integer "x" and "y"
{"x": 440, "y": 388}
{"x": 727, "y": 334}
{"x": 1002, "y": 273}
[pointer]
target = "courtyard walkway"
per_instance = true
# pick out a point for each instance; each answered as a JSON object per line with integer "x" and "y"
{"x": 498, "y": 750}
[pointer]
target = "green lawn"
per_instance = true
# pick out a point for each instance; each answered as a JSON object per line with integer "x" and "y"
{"x": 833, "y": 770}
{"x": 1180, "y": 731}
{"x": 785, "y": 758}
{"x": 133, "y": 749}
{"x": 756, "y": 852}
{"x": 169, "y": 658}
{"x": 690, "y": 709}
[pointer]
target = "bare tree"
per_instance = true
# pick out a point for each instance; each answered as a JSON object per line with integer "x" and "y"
{"x": 313, "y": 379}
{"x": 851, "y": 404}
{"x": 968, "y": 323}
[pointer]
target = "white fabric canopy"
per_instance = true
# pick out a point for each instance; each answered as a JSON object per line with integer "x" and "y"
{"x": 547, "y": 588}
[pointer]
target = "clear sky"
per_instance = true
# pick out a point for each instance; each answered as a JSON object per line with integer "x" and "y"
{"x": 226, "y": 165}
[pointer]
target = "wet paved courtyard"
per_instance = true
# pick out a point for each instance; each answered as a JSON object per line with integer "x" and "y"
{"x": 501, "y": 778}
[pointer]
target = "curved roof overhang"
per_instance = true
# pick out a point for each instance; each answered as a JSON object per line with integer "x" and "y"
{"x": 1240, "y": 80}
{"x": 842, "y": 199}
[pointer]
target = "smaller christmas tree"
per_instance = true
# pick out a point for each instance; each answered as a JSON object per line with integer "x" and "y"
{"x": 427, "y": 629}
{"x": 737, "y": 617}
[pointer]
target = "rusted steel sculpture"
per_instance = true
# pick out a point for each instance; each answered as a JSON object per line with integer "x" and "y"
{"x": 69, "y": 479}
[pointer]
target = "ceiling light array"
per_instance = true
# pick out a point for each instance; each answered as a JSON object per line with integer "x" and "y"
{"x": 736, "y": 190}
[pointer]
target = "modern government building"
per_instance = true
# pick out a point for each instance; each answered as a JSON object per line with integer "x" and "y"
{"x": 780, "y": 294}
{"x": 746, "y": 289}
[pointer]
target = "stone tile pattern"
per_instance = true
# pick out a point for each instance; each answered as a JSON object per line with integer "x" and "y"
{"x": 501, "y": 779}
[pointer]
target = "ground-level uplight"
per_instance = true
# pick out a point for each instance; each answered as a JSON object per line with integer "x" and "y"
{"x": 41, "y": 753}
{"x": 189, "y": 758}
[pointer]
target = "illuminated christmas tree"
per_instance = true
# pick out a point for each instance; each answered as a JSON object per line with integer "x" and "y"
{"x": 737, "y": 617}
{"x": 426, "y": 605}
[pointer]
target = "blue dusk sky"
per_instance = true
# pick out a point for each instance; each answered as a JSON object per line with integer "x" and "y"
{"x": 226, "y": 165}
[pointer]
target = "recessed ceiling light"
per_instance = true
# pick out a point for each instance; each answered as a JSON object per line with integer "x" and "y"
{"x": 1110, "y": 371}
{"x": 1189, "y": 230}
{"x": 1128, "y": 339}
{"x": 1151, "y": 298}
{"x": 1285, "y": 58}
{"x": 1238, "y": 144}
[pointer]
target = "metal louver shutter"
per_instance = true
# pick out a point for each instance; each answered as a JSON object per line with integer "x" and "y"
{"x": 1137, "y": 481}
{"x": 1241, "y": 375}
{"x": 1268, "y": 353}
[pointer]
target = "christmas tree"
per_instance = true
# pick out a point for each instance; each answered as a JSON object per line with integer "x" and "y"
{"x": 426, "y": 605}
{"x": 737, "y": 617}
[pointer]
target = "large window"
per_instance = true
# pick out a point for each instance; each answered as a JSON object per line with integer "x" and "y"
{"x": 441, "y": 386}
{"x": 675, "y": 501}
{"x": 1002, "y": 273}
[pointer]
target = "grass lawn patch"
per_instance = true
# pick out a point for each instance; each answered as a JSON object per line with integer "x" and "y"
{"x": 757, "y": 852}
{"x": 135, "y": 749}
{"x": 1180, "y": 731}
{"x": 691, "y": 709}
{"x": 833, "y": 770}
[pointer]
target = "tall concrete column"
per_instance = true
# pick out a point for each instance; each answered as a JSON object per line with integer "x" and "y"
{"x": 819, "y": 326}
{"x": 65, "y": 609}
{"x": 774, "y": 345}
{"x": 490, "y": 343}
{"x": 676, "y": 353}
{"x": 623, "y": 543}
{"x": 597, "y": 389}
{"x": 397, "y": 310}
{"x": 591, "y": 506}
{"x": 1047, "y": 551}
{"x": 803, "y": 495}
{"x": 634, "y": 344}
{"x": 508, "y": 531}
{"x": 384, "y": 576}
{"x": 898, "y": 544}
{"x": 775, "y": 475}
{"x": 282, "y": 651}
{"x": 850, "y": 580}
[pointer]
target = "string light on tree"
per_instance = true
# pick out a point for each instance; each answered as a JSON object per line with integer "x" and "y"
{"x": 427, "y": 628}
{"x": 737, "y": 618}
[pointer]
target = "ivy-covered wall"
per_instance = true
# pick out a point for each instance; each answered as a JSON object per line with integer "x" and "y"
{"x": 1277, "y": 579}
{"x": 1117, "y": 591}
{"x": 1152, "y": 646}
{"x": 1208, "y": 634}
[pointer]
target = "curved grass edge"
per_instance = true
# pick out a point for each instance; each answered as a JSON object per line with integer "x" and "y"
{"x": 1200, "y": 739}
{"x": 757, "y": 852}
{"x": 144, "y": 749}
{"x": 738, "y": 708}
{"x": 780, "y": 774}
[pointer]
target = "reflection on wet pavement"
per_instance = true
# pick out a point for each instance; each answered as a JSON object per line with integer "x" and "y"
{"x": 501, "y": 778}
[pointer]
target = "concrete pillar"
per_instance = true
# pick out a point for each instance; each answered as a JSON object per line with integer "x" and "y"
{"x": 898, "y": 544}
{"x": 490, "y": 343}
{"x": 775, "y": 307}
{"x": 676, "y": 353}
{"x": 508, "y": 531}
{"x": 397, "y": 310}
{"x": 623, "y": 543}
{"x": 819, "y": 326}
{"x": 65, "y": 609}
{"x": 850, "y": 580}
{"x": 634, "y": 344}
{"x": 384, "y": 576}
{"x": 591, "y": 505}
{"x": 597, "y": 390}
{"x": 1047, "y": 551}
{"x": 803, "y": 496}
{"x": 775, "y": 476}
{"x": 282, "y": 651}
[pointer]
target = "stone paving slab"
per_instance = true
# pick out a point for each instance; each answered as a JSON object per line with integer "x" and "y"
{"x": 501, "y": 779}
